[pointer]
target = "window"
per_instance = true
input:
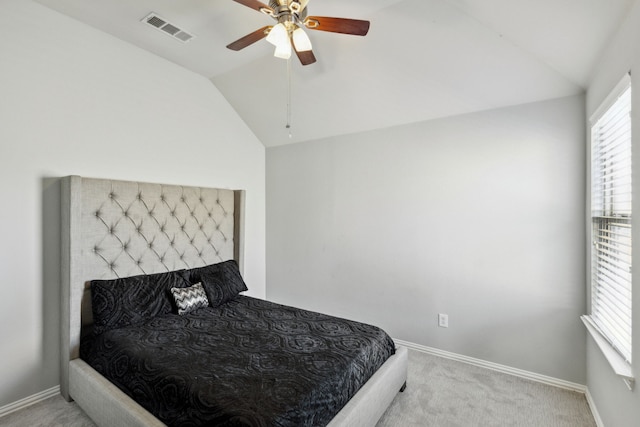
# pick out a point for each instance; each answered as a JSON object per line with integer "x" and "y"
{"x": 611, "y": 221}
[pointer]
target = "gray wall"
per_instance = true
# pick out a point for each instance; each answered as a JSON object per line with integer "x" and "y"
{"x": 617, "y": 406}
{"x": 74, "y": 100}
{"x": 478, "y": 216}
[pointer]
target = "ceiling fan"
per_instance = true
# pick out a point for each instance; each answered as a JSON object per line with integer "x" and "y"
{"x": 288, "y": 34}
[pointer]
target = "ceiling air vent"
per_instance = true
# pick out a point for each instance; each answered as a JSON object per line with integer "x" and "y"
{"x": 161, "y": 24}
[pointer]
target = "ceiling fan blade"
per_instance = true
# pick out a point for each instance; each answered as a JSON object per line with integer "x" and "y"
{"x": 355, "y": 27}
{"x": 255, "y": 5}
{"x": 250, "y": 39}
{"x": 306, "y": 57}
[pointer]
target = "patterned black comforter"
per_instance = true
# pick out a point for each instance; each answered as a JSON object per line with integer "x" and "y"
{"x": 248, "y": 362}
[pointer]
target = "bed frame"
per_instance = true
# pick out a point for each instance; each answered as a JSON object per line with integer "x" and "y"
{"x": 122, "y": 228}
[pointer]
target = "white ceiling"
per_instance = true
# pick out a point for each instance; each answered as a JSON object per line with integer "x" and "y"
{"x": 422, "y": 59}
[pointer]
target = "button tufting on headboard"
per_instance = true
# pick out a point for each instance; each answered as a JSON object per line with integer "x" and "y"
{"x": 138, "y": 228}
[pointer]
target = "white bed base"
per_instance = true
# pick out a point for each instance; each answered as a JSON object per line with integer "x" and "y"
{"x": 92, "y": 249}
{"x": 108, "y": 406}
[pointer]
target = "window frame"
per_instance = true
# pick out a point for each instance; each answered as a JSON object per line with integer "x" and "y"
{"x": 610, "y": 253}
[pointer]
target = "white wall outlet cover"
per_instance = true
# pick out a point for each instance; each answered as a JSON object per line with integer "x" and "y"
{"x": 443, "y": 320}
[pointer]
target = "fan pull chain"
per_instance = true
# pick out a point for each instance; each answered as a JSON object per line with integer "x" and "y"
{"x": 289, "y": 97}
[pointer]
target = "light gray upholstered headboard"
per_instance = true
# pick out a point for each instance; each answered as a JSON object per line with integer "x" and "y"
{"x": 121, "y": 228}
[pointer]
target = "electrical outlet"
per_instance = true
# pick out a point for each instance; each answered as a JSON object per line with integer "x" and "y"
{"x": 443, "y": 320}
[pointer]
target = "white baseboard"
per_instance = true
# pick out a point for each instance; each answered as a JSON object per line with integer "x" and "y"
{"x": 594, "y": 410}
{"x": 29, "y": 400}
{"x": 496, "y": 367}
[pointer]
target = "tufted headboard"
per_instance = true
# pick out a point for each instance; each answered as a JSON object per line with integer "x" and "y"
{"x": 121, "y": 228}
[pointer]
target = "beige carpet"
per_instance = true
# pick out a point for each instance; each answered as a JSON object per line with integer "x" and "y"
{"x": 440, "y": 393}
{"x": 446, "y": 393}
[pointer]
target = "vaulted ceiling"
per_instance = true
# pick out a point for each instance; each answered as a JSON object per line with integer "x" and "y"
{"x": 422, "y": 59}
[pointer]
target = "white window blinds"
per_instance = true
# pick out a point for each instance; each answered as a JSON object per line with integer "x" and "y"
{"x": 611, "y": 220}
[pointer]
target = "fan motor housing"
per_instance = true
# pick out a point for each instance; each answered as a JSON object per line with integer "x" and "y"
{"x": 281, "y": 9}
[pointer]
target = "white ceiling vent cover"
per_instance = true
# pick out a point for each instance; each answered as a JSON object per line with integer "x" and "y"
{"x": 161, "y": 24}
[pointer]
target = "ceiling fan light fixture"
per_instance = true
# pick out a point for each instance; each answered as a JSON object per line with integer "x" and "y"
{"x": 301, "y": 40}
{"x": 283, "y": 50}
{"x": 278, "y": 36}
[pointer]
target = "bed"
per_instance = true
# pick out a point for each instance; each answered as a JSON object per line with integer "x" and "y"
{"x": 117, "y": 232}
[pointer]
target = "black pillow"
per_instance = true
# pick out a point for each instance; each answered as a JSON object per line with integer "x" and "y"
{"x": 132, "y": 300}
{"x": 221, "y": 281}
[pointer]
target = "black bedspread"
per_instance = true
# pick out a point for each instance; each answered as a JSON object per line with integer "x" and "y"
{"x": 248, "y": 362}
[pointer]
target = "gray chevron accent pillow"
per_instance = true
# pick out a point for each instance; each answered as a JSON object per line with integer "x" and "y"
{"x": 189, "y": 299}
